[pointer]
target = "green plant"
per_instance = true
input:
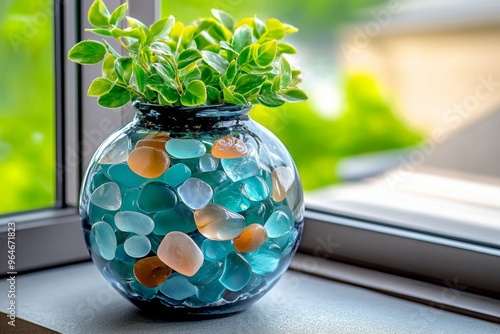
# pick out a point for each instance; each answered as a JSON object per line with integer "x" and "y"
{"x": 212, "y": 61}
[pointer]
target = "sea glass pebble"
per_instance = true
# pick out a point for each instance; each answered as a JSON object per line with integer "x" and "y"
{"x": 215, "y": 250}
{"x": 122, "y": 265}
{"x": 155, "y": 241}
{"x": 241, "y": 168}
{"x": 195, "y": 193}
{"x": 255, "y": 213}
{"x": 143, "y": 291}
{"x": 107, "y": 196}
{"x": 282, "y": 179}
{"x": 105, "y": 240}
{"x": 178, "y": 288}
{"x": 156, "y": 196}
{"x": 229, "y": 147}
{"x": 159, "y": 136}
{"x": 129, "y": 202}
{"x": 211, "y": 292}
{"x": 237, "y": 272}
{"x": 137, "y": 246}
{"x": 208, "y": 272}
{"x": 215, "y": 179}
{"x": 208, "y": 163}
{"x": 185, "y": 148}
{"x": 180, "y": 252}
{"x": 232, "y": 198}
{"x": 252, "y": 238}
{"x": 177, "y": 174}
{"x": 287, "y": 241}
{"x": 135, "y": 222}
{"x": 278, "y": 224}
{"x": 151, "y": 143}
{"x": 255, "y": 188}
{"x": 264, "y": 260}
{"x": 148, "y": 162}
{"x": 216, "y": 222}
{"x": 122, "y": 174}
{"x": 116, "y": 153}
{"x": 179, "y": 219}
{"x": 97, "y": 179}
{"x": 151, "y": 271}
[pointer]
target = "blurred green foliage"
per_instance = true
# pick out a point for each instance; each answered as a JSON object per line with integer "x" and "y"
{"x": 367, "y": 124}
{"x": 27, "y": 116}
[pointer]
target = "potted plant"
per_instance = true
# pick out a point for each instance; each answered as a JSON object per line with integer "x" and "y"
{"x": 192, "y": 207}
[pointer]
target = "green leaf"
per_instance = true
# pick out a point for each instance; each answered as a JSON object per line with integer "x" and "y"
{"x": 115, "y": 98}
{"x": 134, "y": 33}
{"x": 87, "y": 52}
{"x": 266, "y": 54}
{"x": 213, "y": 95}
{"x": 242, "y": 38}
{"x": 285, "y": 73}
{"x": 223, "y": 45}
{"x": 160, "y": 48}
{"x": 118, "y": 14}
{"x": 111, "y": 49}
{"x": 189, "y": 74}
{"x": 286, "y": 48}
{"x": 247, "y": 55}
{"x": 275, "y": 30}
{"x": 169, "y": 94}
{"x": 188, "y": 57}
{"x": 289, "y": 29}
{"x": 188, "y": 34}
{"x": 228, "y": 76}
{"x": 216, "y": 61}
{"x": 98, "y": 15}
{"x": 232, "y": 97}
{"x": 195, "y": 94}
{"x": 167, "y": 73}
{"x": 270, "y": 100}
{"x": 259, "y": 27}
{"x": 276, "y": 84}
{"x": 293, "y": 95}
{"x": 160, "y": 29}
{"x": 224, "y": 18}
{"x": 123, "y": 69}
{"x": 140, "y": 75}
{"x": 100, "y": 31}
{"x": 99, "y": 87}
{"x": 108, "y": 68}
{"x": 248, "y": 82}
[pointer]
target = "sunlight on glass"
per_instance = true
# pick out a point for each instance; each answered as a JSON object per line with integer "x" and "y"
{"x": 27, "y": 113}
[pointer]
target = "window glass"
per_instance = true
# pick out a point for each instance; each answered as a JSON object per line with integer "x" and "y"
{"x": 27, "y": 112}
{"x": 404, "y": 101}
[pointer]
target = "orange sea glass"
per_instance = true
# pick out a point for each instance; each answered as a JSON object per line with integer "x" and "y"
{"x": 282, "y": 180}
{"x": 229, "y": 147}
{"x": 252, "y": 237}
{"x": 151, "y": 271}
{"x": 159, "y": 144}
{"x": 148, "y": 162}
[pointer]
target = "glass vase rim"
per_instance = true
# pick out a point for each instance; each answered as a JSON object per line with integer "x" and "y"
{"x": 205, "y": 111}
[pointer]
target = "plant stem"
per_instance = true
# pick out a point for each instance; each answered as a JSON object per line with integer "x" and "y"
{"x": 122, "y": 44}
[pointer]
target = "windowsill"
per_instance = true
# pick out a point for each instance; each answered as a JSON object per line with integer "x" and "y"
{"x": 76, "y": 299}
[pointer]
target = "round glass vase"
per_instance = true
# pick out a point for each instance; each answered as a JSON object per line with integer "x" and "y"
{"x": 192, "y": 212}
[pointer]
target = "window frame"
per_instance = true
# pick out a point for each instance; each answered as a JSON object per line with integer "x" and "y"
{"x": 55, "y": 237}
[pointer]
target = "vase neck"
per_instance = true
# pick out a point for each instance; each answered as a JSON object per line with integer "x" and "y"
{"x": 182, "y": 119}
